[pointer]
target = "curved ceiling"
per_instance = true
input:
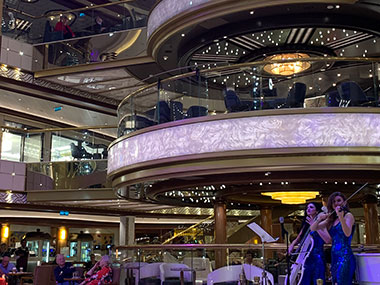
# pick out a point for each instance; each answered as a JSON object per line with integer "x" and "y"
{"x": 318, "y": 28}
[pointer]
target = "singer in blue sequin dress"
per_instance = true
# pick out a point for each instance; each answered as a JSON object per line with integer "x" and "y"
{"x": 314, "y": 267}
{"x": 342, "y": 259}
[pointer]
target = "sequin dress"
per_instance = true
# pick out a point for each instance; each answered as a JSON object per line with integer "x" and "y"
{"x": 342, "y": 259}
{"x": 314, "y": 267}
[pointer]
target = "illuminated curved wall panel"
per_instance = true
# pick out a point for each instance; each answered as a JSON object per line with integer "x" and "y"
{"x": 167, "y": 9}
{"x": 263, "y": 132}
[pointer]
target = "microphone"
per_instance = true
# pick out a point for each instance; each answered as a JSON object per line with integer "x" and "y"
{"x": 283, "y": 231}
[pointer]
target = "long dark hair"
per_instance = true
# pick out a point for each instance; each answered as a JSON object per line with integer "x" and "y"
{"x": 330, "y": 208}
{"x": 305, "y": 226}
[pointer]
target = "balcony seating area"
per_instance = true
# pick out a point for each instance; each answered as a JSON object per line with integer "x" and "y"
{"x": 346, "y": 94}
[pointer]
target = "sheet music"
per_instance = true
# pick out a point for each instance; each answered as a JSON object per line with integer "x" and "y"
{"x": 265, "y": 237}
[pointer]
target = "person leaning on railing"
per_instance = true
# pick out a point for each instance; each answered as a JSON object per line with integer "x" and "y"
{"x": 62, "y": 26}
{"x": 100, "y": 273}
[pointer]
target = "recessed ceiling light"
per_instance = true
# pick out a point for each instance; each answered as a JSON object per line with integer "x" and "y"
{"x": 252, "y": 12}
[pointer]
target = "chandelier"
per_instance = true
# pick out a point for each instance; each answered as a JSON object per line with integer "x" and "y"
{"x": 292, "y": 197}
{"x": 289, "y": 67}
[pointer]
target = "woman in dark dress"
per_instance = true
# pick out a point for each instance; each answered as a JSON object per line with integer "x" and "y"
{"x": 314, "y": 266}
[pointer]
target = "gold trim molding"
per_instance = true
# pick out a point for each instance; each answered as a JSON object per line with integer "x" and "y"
{"x": 287, "y": 159}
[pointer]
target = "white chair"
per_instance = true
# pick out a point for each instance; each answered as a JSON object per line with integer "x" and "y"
{"x": 201, "y": 266}
{"x": 225, "y": 274}
{"x": 173, "y": 271}
{"x": 134, "y": 268}
{"x": 150, "y": 270}
{"x": 251, "y": 271}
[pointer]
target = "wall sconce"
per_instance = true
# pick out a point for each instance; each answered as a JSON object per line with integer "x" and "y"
{"x": 62, "y": 234}
{"x": 5, "y": 231}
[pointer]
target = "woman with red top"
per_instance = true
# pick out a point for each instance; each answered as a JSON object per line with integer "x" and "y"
{"x": 62, "y": 26}
{"x": 100, "y": 273}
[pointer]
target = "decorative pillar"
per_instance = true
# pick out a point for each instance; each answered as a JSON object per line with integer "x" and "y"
{"x": 371, "y": 218}
{"x": 46, "y": 150}
{"x": 126, "y": 237}
{"x": 220, "y": 232}
{"x": 127, "y": 230}
{"x": 266, "y": 219}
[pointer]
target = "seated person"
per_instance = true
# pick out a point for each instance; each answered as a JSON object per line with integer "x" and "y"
{"x": 100, "y": 273}
{"x": 249, "y": 258}
{"x": 3, "y": 250}
{"x": 98, "y": 27}
{"x": 63, "y": 270}
{"x": 90, "y": 263}
{"x": 62, "y": 26}
{"x": 6, "y": 266}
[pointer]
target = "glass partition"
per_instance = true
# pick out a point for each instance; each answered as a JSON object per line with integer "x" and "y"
{"x": 197, "y": 263}
{"x": 67, "y": 175}
{"x": 271, "y": 84}
{"x": 95, "y": 48}
{"x": 57, "y": 22}
{"x": 25, "y": 144}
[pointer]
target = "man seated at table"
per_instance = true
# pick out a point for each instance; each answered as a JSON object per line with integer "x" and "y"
{"x": 6, "y": 266}
{"x": 63, "y": 270}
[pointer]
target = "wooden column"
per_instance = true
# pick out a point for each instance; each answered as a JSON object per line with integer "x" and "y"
{"x": 220, "y": 232}
{"x": 266, "y": 219}
{"x": 371, "y": 218}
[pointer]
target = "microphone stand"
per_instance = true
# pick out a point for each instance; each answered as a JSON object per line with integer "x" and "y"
{"x": 286, "y": 235}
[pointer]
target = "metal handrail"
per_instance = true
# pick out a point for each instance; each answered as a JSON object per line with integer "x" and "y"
{"x": 248, "y": 65}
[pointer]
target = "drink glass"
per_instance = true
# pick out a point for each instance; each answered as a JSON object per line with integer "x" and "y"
{"x": 21, "y": 269}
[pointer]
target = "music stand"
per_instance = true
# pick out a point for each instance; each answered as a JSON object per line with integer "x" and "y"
{"x": 265, "y": 238}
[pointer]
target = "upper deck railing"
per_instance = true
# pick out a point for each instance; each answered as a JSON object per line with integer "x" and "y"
{"x": 62, "y": 37}
{"x": 270, "y": 84}
{"x": 19, "y": 23}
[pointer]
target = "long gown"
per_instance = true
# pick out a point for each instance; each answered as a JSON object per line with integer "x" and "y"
{"x": 342, "y": 259}
{"x": 314, "y": 267}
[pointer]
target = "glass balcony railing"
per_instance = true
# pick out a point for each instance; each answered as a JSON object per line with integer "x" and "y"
{"x": 26, "y": 144}
{"x": 211, "y": 263}
{"x": 94, "y": 48}
{"x": 272, "y": 84}
{"x": 58, "y": 22}
{"x": 67, "y": 175}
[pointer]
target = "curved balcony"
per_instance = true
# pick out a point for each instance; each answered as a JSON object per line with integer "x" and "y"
{"x": 246, "y": 127}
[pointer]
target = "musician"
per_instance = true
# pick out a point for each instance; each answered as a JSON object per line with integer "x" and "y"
{"x": 314, "y": 265}
{"x": 341, "y": 228}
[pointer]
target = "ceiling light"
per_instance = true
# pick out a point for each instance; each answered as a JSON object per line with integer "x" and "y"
{"x": 287, "y": 68}
{"x": 293, "y": 197}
